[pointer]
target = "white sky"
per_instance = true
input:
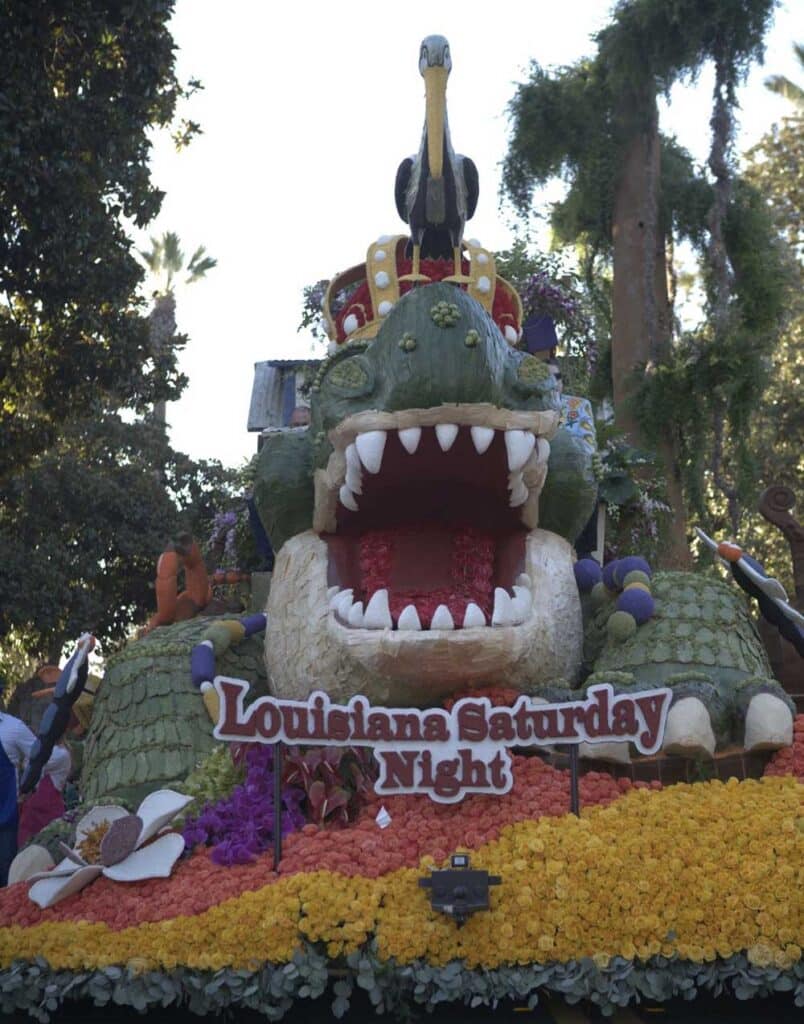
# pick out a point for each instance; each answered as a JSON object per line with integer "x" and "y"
{"x": 306, "y": 114}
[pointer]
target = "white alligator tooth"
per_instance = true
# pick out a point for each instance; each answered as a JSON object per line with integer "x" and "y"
{"x": 409, "y": 619}
{"x": 523, "y": 580}
{"x": 352, "y": 458}
{"x": 441, "y": 618}
{"x": 342, "y": 603}
{"x": 503, "y": 613}
{"x": 370, "y": 447}
{"x": 347, "y": 498}
{"x": 446, "y": 434}
{"x": 521, "y": 604}
{"x": 354, "y": 481}
{"x": 519, "y": 444}
{"x": 519, "y": 492}
{"x": 542, "y": 449}
{"x": 355, "y": 616}
{"x": 410, "y": 438}
{"x": 331, "y": 593}
{"x": 378, "y": 614}
{"x": 473, "y": 616}
{"x": 481, "y": 438}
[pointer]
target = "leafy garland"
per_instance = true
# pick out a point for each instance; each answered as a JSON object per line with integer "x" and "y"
{"x": 272, "y": 989}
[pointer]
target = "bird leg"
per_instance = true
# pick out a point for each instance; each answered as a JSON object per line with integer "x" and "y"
{"x": 458, "y": 277}
{"x": 415, "y": 274}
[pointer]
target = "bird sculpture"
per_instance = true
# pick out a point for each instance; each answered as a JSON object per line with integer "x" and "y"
{"x": 68, "y": 689}
{"x": 768, "y": 592}
{"x": 436, "y": 190}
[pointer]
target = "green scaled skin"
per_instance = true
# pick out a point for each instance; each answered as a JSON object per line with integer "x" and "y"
{"x": 150, "y": 727}
{"x": 702, "y": 643}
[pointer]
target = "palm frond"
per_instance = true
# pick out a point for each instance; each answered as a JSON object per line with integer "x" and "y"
{"x": 782, "y": 86}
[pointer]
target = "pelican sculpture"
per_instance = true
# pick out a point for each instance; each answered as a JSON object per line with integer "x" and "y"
{"x": 436, "y": 190}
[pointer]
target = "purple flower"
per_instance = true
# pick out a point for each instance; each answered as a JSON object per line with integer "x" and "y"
{"x": 240, "y": 826}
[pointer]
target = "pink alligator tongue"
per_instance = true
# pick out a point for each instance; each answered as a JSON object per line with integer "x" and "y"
{"x": 428, "y": 565}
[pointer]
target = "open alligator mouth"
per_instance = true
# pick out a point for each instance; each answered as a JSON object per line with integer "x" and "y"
{"x": 426, "y": 513}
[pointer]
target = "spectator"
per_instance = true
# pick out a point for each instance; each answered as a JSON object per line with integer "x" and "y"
{"x": 16, "y": 745}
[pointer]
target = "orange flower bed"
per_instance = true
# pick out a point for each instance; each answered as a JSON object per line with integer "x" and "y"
{"x": 790, "y": 760}
{"x": 419, "y": 828}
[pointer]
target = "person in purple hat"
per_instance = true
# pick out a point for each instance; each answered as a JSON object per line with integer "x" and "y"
{"x": 539, "y": 336}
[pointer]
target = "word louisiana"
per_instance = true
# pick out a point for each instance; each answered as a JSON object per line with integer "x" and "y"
{"x": 444, "y": 754}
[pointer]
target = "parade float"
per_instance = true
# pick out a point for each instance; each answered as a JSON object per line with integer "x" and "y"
{"x": 374, "y": 782}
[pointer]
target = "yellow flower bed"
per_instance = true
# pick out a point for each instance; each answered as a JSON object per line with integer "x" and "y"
{"x": 699, "y": 871}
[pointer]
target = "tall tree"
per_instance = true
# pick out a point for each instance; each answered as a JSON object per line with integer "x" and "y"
{"x": 165, "y": 261}
{"x": 775, "y": 168}
{"x": 596, "y": 123}
{"x": 87, "y": 497}
{"x": 81, "y": 82}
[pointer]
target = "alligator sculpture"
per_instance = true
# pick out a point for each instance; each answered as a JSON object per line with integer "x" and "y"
{"x": 424, "y": 523}
{"x": 423, "y": 547}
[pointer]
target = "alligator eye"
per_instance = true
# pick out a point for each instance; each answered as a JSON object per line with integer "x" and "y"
{"x": 532, "y": 372}
{"x": 352, "y": 377}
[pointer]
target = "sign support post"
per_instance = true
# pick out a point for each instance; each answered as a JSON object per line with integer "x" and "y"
{"x": 575, "y": 796}
{"x": 277, "y": 805}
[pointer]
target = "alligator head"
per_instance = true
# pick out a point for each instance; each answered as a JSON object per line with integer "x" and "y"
{"x": 425, "y": 568}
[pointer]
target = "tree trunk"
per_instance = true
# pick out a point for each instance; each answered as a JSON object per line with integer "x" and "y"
{"x": 54, "y": 649}
{"x": 161, "y": 328}
{"x": 641, "y": 328}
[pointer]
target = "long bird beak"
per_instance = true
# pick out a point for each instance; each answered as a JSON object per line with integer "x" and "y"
{"x": 435, "y": 86}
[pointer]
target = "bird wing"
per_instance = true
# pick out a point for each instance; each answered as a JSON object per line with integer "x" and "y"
{"x": 471, "y": 180}
{"x": 769, "y": 586}
{"x": 401, "y": 186}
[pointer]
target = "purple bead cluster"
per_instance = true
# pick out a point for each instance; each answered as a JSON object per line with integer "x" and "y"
{"x": 627, "y": 577}
{"x": 241, "y": 825}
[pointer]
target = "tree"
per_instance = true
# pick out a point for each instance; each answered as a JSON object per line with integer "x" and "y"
{"x": 82, "y": 83}
{"x": 775, "y": 167}
{"x": 87, "y": 497}
{"x": 596, "y": 124}
{"x": 165, "y": 261}
{"x": 83, "y": 527}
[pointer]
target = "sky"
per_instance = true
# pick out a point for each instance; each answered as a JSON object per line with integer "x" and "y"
{"x": 305, "y": 118}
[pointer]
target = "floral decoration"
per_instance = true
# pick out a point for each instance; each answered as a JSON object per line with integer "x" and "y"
{"x": 112, "y": 842}
{"x": 241, "y": 825}
{"x": 698, "y": 872}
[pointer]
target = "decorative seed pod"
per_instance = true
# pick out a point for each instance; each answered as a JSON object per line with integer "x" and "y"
{"x": 120, "y": 840}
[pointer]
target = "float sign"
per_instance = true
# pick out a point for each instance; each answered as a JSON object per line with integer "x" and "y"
{"x": 438, "y": 753}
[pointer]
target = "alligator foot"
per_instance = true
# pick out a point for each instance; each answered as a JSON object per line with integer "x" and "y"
{"x": 768, "y": 723}
{"x": 689, "y": 730}
{"x": 615, "y": 753}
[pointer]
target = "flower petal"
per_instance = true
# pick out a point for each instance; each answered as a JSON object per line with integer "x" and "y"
{"x": 61, "y": 870}
{"x": 105, "y": 812}
{"x": 157, "y": 809}
{"x": 48, "y": 891}
{"x": 33, "y": 860}
{"x": 153, "y": 861}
